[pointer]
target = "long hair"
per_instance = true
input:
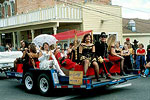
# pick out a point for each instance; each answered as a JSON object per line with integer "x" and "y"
{"x": 44, "y": 44}
{"x": 111, "y": 40}
{"x": 26, "y": 44}
{"x": 52, "y": 47}
{"x": 32, "y": 47}
{"x": 86, "y": 35}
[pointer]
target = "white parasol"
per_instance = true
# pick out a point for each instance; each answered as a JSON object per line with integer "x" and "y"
{"x": 40, "y": 39}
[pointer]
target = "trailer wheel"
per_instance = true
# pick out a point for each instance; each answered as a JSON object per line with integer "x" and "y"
{"x": 44, "y": 84}
{"x": 28, "y": 82}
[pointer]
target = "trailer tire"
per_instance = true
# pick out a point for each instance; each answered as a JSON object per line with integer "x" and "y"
{"x": 29, "y": 82}
{"x": 45, "y": 84}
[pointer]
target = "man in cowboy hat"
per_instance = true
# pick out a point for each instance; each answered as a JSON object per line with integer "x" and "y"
{"x": 101, "y": 45}
{"x": 101, "y": 53}
{"x": 135, "y": 46}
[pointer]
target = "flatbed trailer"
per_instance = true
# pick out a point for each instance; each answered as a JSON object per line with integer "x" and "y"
{"x": 48, "y": 80}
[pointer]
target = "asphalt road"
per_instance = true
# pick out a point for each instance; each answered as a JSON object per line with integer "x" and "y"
{"x": 138, "y": 89}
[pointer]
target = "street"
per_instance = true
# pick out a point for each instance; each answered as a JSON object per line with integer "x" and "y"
{"x": 138, "y": 89}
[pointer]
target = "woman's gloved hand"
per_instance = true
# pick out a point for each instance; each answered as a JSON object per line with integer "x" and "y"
{"x": 100, "y": 59}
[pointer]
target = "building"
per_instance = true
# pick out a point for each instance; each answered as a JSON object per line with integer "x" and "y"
{"x": 14, "y": 7}
{"x": 34, "y": 17}
{"x": 104, "y": 18}
{"x": 137, "y": 29}
{"x": 25, "y": 6}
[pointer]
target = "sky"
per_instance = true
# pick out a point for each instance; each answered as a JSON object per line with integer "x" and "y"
{"x": 138, "y": 8}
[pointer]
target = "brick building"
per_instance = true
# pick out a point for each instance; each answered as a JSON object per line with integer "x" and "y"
{"x": 24, "y": 6}
{"x": 13, "y": 7}
{"x": 34, "y": 17}
{"x": 8, "y": 8}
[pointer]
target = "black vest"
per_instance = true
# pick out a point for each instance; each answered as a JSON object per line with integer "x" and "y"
{"x": 101, "y": 49}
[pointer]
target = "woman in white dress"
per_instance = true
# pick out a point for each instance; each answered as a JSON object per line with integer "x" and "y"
{"x": 45, "y": 62}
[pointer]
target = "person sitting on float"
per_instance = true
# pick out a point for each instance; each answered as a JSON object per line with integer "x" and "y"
{"x": 33, "y": 56}
{"x": 75, "y": 52}
{"x": 102, "y": 54}
{"x": 24, "y": 49}
{"x": 45, "y": 62}
{"x": 24, "y": 45}
{"x": 63, "y": 54}
{"x": 113, "y": 56}
{"x": 65, "y": 63}
{"x": 87, "y": 55}
{"x": 69, "y": 50}
{"x": 30, "y": 57}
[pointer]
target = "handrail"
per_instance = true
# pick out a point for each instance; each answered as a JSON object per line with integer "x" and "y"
{"x": 53, "y": 13}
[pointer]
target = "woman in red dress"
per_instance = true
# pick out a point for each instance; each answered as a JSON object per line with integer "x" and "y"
{"x": 113, "y": 56}
{"x": 64, "y": 62}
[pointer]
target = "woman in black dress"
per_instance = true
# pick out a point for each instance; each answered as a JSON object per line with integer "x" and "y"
{"x": 87, "y": 55}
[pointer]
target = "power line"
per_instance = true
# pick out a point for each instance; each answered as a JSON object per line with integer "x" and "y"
{"x": 136, "y": 10}
{"x": 88, "y": 8}
{"x": 107, "y": 14}
{"x": 96, "y": 10}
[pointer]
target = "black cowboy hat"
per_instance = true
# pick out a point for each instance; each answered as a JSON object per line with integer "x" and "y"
{"x": 135, "y": 41}
{"x": 103, "y": 34}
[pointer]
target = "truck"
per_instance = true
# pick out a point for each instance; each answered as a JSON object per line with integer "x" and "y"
{"x": 7, "y": 60}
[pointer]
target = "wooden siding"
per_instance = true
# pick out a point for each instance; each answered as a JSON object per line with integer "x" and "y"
{"x": 98, "y": 22}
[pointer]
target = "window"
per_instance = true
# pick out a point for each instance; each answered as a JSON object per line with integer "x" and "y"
{"x": 131, "y": 25}
{"x": 12, "y": 5}
{"x": 5, "y": 10}
{"x": 0, "y": 11}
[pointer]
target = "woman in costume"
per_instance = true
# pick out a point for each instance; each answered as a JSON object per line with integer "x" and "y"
{"x": 113, "y": 56}
{"x": 45, "y": 62}
{"x": 87, "y": 55}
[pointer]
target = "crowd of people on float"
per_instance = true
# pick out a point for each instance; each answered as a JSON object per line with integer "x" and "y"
{"x": 106, "y": 54}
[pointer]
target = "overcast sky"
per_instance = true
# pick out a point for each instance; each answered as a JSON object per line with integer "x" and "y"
{"x": 142, "y": 5}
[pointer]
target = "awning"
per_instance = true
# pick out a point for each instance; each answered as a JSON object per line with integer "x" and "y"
{"x": 70, "y": 34}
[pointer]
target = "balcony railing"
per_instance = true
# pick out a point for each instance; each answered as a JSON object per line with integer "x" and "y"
{"x": 54, "y": 13}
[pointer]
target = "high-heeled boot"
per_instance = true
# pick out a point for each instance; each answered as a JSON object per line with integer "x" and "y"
{"x": 97, "y": 77}
{"x": 122, "y": 73}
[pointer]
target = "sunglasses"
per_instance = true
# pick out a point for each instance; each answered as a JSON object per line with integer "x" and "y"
{"x": 104, "y": 36}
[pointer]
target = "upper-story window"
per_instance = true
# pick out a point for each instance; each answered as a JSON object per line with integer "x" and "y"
{"x": 0, "y": 10}
{"x": 12, "y": 7}
{"x": 5, "y": 10}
